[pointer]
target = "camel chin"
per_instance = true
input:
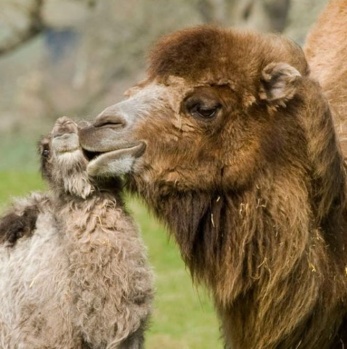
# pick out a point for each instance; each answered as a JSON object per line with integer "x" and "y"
{"x": 117, "y": 162}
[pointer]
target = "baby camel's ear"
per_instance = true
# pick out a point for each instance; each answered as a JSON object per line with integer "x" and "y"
{"x": 279, "y": 83}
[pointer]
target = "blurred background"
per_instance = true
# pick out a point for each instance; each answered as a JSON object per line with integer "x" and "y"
{"x": 74, "y": 58}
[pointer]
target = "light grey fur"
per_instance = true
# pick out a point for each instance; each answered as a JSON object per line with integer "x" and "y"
{"x": 82, "y": 279}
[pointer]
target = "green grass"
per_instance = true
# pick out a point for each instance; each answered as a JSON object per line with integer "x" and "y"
{"x": 18, "y": 151}
{"x": 14, "y": 183}
{"x": 183, "y": 315}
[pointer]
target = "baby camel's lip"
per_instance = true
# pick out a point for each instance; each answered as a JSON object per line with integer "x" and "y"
{"x": 65, "y": 142}
{"x": 62, "y": 134}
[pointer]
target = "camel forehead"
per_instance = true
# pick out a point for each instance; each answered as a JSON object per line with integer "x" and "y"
{"x": 188, "y": 53}
{"x": 212, "y": 53}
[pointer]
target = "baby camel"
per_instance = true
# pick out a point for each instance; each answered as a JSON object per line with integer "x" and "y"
{"x": 73, "y": 269}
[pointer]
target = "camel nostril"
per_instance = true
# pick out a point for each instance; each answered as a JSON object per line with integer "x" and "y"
{"x": 110, "y": 122}
{"x": 64, "y": 126}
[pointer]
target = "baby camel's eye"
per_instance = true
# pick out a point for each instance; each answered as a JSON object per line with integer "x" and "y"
{"x": 44, "y": 148}
{"x": 205, "y": 110}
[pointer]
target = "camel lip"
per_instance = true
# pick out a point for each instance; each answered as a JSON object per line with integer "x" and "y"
{"x": 63, "y": 135}
{"x": 135, "y": 149}
{"x": 65, "y": 142}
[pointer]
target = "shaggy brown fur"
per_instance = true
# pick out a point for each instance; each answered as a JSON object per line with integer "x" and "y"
{"x": 243, "y": 165}
{"x": 73, "y": 269}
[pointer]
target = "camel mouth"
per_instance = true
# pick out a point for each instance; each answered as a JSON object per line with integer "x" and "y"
{"x": 135, "y": 149}
{"x": 91, "y": 155}
{"x": 114, "y": 162}
{"x": 65, "y": 142}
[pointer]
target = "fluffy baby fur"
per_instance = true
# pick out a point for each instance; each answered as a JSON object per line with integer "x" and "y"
{"x": 79, "y": 277}
{"x": 242, "y": 162}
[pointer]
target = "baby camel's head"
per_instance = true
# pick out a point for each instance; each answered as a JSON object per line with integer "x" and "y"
{"x": 63, "y": 162}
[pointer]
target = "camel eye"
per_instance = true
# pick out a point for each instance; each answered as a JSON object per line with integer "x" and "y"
{"x": 203, "y": 110}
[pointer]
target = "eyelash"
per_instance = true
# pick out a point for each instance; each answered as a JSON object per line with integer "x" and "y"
{"x": 198, "y": 110}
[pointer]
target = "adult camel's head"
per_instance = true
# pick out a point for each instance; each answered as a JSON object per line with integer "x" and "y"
{"x": 205, "y": 116}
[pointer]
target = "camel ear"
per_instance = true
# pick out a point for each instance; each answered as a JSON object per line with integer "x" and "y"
{"x": 279, "y": 83}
